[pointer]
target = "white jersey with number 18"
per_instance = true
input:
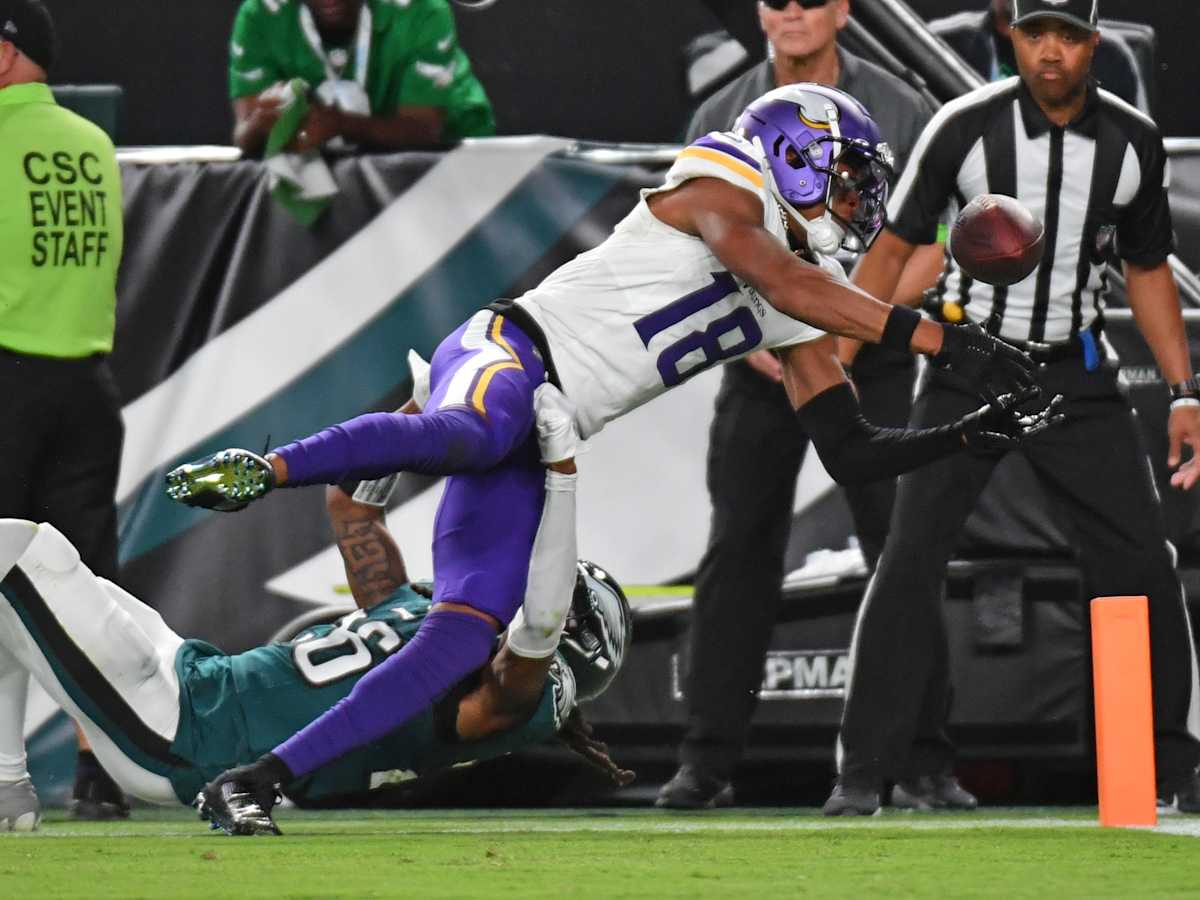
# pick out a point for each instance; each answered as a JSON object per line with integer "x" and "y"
{"x": 651, "y": 306}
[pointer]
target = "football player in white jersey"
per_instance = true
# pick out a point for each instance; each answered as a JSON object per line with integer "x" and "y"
{"x": 727, "y": 257}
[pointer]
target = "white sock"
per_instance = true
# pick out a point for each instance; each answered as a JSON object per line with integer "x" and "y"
{"x": 14, "y": 687}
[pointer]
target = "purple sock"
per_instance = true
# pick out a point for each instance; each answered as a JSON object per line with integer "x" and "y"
{"x": 447, "y": 648}
{"x": 441, "y": 442}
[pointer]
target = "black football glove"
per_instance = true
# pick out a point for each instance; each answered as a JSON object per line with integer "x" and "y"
{"x": 1000, "y": 426}
{"x": 239, "y": 801}
{"x": 989, "y": 366}
{"x": 226, "y": 481}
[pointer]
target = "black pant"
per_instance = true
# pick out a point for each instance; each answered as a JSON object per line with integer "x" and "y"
{"x": 755, "y": 450}
{"x": 60, "y": 450}
{"x": 1095, "y": 468}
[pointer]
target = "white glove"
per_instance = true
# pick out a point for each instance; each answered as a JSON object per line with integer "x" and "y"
{"x": 420, "y": 375}
{"x": 558, "y": 435}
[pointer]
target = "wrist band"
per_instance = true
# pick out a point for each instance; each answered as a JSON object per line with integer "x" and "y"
{"x": 1185, "y": 401}
{"x": 1189, "y": 387}
{"x": 902, "y": 321}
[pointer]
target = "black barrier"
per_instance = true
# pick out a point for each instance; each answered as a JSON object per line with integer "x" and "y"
{"x": 1025, "y": 698}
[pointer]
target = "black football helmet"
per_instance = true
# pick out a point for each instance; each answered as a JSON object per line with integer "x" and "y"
{"x": 598, "y": 631}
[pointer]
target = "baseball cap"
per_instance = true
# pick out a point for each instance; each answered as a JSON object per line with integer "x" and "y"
{"x": 1083, "y": 14}
{"x": 27, "y": 24}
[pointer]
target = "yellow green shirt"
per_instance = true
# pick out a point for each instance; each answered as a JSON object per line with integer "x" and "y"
{"x": 61, "y": 230}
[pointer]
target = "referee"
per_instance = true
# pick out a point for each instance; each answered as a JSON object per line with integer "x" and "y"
{"x": 1093, "y": 169}
{"x": 60, "y": 245}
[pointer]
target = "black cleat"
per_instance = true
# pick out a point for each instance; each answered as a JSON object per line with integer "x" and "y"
{"x": 853, "y": 797}
{"x": 96, "y": 797}
{"x": 233, "y": 809}
{"x": 694, "y": 788}
{"x": 1185, "y": 793}
{"x": 926, "y": 792}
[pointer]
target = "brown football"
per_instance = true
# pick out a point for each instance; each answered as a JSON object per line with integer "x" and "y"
{"x": 995, "y": 239}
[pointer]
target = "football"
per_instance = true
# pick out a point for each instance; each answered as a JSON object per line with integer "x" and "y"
{"x": 995, "y": 239}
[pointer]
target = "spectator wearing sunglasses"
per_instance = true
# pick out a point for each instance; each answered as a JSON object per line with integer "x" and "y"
{"x": 756, "y": 445}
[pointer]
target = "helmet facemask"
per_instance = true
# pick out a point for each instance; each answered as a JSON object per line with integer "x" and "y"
{"x": 597, "y": 632}
{"x": 818, "y": 141}
{"x": 860, "y": 175}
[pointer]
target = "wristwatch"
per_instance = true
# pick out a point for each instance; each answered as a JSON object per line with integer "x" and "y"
{"x": 1188, "y": 389}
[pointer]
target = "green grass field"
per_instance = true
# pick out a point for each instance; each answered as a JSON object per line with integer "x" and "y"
{"x": 1048, "y": 853}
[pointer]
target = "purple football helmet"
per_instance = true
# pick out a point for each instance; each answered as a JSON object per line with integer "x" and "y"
{"x": 820, "y": 143}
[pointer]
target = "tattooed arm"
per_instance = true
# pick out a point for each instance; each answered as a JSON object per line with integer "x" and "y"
{"x": 374, "y": 566}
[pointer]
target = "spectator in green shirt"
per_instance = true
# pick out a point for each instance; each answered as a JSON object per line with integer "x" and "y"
{"x": 385, "y": 74}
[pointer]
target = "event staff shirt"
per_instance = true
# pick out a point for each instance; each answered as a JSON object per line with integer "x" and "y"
{"x": 414, "y": 60}
{"x": 60, "y": 228}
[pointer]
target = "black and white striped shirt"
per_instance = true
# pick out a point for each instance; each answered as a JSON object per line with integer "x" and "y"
{"x": 1104, "y": 175}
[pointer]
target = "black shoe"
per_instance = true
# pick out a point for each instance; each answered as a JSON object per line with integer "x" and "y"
{"x": 1187, "y": 794}
{"x": 853, "y": 797}
{"x": 694, "y": 788}
{"x": 96, "y": 796}
{"x": 932, "y": 792}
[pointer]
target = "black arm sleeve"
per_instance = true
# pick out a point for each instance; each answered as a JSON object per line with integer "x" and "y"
{"x": 853, "y": 450}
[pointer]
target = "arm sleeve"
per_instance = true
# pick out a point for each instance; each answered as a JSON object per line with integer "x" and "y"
{"x": 854, "y": 451}
{"x": 251, "y": 68}
{"x": 1145, "y": 235}
{"x": 538, "y": 624}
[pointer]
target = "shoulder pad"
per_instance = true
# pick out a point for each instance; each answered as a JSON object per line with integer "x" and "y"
{"x": 720, "y": 155}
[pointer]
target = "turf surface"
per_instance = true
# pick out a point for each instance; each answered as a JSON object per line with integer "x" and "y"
{"x": 634, "y": 853}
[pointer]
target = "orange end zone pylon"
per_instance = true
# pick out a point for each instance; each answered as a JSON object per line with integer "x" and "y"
{"x": 1124, "y": 715}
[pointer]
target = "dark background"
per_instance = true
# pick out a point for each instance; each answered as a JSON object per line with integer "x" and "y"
{"x": 596, "y": 69}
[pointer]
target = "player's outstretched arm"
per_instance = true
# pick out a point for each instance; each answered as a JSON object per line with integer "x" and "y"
{"x": 729, "y": 220}
{"x": 853, "y": 450}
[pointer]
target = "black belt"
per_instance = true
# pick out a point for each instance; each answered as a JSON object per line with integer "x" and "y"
{"x": 1072, "y": 348}
{"x": 523, "y": 320}
{"x": 50, "y": 362}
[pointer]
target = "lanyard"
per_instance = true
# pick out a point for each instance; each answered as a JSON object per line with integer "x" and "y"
{"x": 362, "y": 45}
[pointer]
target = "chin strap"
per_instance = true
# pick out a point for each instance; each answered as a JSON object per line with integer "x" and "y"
{"x": 824, "y": 234}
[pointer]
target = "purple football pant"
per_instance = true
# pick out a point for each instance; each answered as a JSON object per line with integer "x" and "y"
{"x": 487, "y": 520}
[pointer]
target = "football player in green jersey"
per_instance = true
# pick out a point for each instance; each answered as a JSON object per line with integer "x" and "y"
{"x": 166, "y": 714}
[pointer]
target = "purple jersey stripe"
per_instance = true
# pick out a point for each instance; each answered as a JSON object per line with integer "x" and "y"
{"x": 713, "y": 144}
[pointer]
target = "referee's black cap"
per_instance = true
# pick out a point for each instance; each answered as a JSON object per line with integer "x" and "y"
{"x": 1084, "y": 14}
{"x": 27, "y": 25}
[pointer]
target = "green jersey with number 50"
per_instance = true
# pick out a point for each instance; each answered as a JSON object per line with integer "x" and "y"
{"x": 235, "y": 708}
{"x": 652, "y": 306}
